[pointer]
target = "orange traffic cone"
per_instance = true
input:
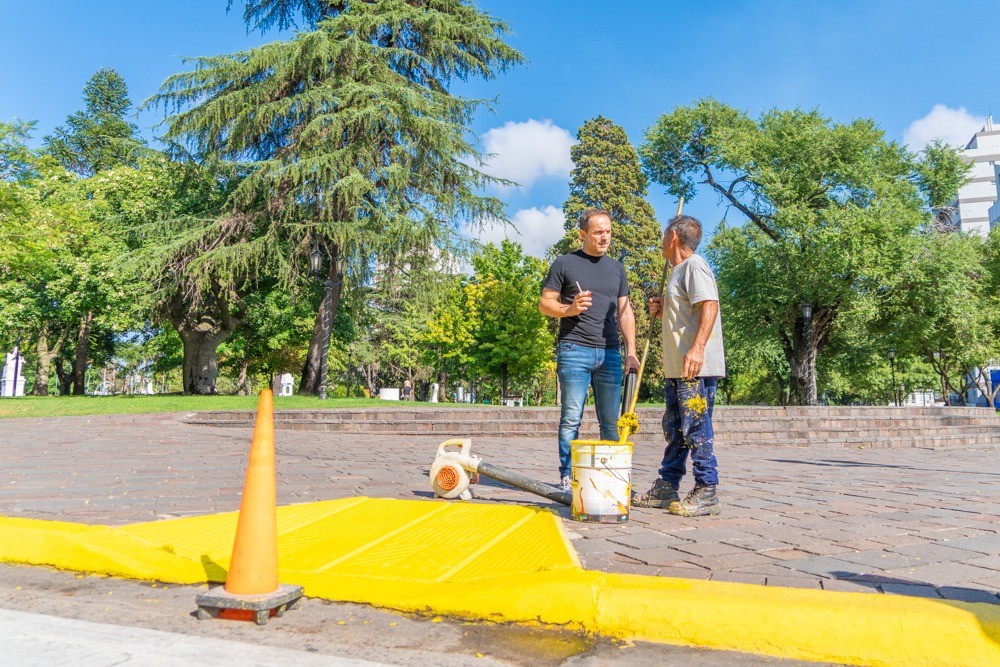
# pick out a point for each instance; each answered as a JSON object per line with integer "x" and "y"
{"x": 253, "y": 568}
{"x": 252, "y": 589}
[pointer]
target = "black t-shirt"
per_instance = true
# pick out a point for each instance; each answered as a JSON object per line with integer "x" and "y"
{"x": 605, "y": 277}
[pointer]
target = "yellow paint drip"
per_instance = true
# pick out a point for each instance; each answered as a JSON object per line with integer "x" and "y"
{"x": 697, "y": 404}
{"x": 512, "y": 563}
{"x": 628, "y": 425}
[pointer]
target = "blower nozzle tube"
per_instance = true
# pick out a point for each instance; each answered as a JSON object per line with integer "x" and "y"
{"x": 524, "y": 483}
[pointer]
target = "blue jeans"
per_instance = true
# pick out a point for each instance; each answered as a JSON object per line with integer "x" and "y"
{"x": 578, "y": 368}
{"x": 687, "y": 426}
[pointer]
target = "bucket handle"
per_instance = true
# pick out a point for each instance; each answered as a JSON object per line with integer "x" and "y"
{"x": 614, "y": 473}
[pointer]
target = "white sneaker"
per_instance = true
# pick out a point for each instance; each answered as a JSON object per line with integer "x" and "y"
{"x": 566, "y": 484}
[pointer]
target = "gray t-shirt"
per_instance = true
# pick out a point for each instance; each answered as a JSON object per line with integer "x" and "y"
{"x": 605, "y": 278}
{"x": 691, "y": 282}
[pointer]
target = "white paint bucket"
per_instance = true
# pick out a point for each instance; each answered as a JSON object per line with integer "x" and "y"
{"x": 602, "y": 480}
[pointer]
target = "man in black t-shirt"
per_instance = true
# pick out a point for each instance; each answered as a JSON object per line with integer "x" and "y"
{"x": 588, "y": 292}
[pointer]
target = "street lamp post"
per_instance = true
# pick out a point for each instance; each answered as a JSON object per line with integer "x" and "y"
{"x": 892, "y": 365}
{"x": 350, "y": 369}
{"x": 316, "y": 266}
{"x": 807, "y": 314}
{"x": 17, "y": 364}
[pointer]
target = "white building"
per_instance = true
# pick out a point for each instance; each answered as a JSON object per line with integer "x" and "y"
{"x": 994, "y": 211}
{"x": 977, "y": 208}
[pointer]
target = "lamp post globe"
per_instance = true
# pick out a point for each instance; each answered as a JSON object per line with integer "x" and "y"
{"x": 315, "y": 260}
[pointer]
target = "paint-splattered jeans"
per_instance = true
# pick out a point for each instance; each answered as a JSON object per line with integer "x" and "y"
{"x": 687, "y": 426}
{"x": 580, "y": 367}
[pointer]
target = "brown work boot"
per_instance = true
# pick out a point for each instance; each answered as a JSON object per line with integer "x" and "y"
{"x": 661, "y": 494}
{"x": 701, "y": 501}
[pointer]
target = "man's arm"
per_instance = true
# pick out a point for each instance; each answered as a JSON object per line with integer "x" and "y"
{"x": 626, "y": 322}
{"x": 550, "y": 305}
{"x": 695, "y": 357}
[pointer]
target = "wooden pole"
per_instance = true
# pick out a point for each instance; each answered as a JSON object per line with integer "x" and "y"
{"x": 652, "y": 323}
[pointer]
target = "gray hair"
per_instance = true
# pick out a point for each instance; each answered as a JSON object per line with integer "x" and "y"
{"x": 591, "y": 213}
{"x": 688, "y": 230}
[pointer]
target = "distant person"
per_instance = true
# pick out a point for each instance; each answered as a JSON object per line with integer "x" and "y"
{"x": 407, "y": 390}
{"x": 693, "y": 362}
{"x": 588, "y": 292}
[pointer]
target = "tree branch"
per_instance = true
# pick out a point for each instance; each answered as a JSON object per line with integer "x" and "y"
{"x": 756, "y": 219}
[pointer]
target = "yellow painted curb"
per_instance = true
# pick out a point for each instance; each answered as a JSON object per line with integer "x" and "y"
{"x": 513, "y": 563}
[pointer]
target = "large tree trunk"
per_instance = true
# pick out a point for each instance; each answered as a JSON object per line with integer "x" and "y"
{"x": 202, "y": 333}
{"x": 801, "y": 351}
{"x": 65, "y": 379}
{"x": 940, "y": 364}
{"x": 311, "y": 380}
{"x": 201, "y": 363}
{"x": 44, "y": 362}
{"x": 82, "y": 352}
{"x": 242, "y": 389}
{"x": 800, "y": 364}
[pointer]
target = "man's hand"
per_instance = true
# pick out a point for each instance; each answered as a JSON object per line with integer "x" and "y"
{"x": 551, "y": 303}
{"x": 631, "y": 361}
{"x": 693, "y": 361}
{"x": 581, "y": 303}
{"x": 656, "y": 307}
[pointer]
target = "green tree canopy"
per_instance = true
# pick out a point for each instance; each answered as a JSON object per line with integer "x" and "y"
{"x": 99, "y": 137}
{"x": 940, "y": 173}
{"x": 945, "y": 311}
{"x": 829, "y": 206}
{"x": 511, "y": 338}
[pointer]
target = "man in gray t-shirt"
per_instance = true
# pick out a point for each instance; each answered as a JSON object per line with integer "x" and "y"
{"x": 693, "y": 361}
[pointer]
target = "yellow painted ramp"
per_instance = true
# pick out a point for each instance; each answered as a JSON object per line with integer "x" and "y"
{"x": 513, "y": 563}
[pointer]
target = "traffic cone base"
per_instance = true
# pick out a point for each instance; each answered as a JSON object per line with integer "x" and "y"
{"x": 218, "y": 603}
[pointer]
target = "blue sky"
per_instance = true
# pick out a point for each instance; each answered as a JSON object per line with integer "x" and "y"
{"x": 919, "y": 68}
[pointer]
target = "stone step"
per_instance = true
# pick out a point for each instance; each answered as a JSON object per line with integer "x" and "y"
{"x": 721, "y": 412}
{"x": 547, "y": 427}
{"x": 762, "y": 422}
{"x": 790, "y": 427}
{"x": 646, "y": 422}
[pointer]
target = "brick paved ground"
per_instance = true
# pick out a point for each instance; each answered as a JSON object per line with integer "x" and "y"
{"x": 904, "y": 521}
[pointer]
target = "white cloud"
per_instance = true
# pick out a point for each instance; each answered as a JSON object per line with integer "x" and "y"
{"x": 525, "y": 152}
{"x": 955, "y": 126}
{"x": 535, "y": 229}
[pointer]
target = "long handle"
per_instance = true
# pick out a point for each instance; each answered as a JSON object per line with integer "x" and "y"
{"x": 652, "y": 322}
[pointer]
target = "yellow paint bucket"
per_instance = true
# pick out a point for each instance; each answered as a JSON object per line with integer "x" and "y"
{"x": 602, "y": 480}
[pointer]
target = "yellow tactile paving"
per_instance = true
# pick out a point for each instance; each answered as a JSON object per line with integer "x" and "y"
{"x": 513, "y": 563}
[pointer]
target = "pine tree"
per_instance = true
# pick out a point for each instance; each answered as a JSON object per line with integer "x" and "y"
{"x": 607, "y": 174}
{"x": 98, "y": 138}
{"x": 352, "y": 141}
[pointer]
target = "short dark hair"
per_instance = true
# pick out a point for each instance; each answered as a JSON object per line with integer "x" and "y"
{"x": 688, "y": 230}
{"x": 590, "y": 213}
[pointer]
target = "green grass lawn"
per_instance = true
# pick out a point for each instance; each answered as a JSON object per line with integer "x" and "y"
{"x": 71, "y": 406}
{"x": 57, "y": 406}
